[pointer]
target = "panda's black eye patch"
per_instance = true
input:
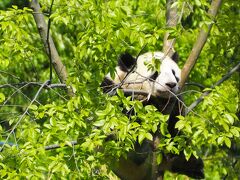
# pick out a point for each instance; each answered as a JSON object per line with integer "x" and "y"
{"x": 177, "y": 79}
{"x": 174, "y": 73}
{"x": 153, "y": 76}
{"x": 126, "y": 61}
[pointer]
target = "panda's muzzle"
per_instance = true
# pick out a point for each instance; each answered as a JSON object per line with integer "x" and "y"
{"x": 171, "y": 85}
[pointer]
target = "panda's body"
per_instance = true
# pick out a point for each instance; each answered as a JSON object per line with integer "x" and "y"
{"x": 159, "y": 86}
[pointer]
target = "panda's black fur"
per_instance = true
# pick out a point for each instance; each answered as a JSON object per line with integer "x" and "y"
{"x": 164, "y": 100}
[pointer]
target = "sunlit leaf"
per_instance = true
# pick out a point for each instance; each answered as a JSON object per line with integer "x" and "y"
{"x": 2, "y": 97}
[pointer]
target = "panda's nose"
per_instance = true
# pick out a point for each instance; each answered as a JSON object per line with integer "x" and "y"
{"x": 171, "y": 84}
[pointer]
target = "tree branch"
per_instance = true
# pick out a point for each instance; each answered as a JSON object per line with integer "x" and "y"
{"x": 50, "y": 147}
{"x": 200, "y": 42}
{"x": 56, "y": 146}
{"x": 200, "y": 99}
{"x": 171, "y": 21}
{"x": 49, "y": 44}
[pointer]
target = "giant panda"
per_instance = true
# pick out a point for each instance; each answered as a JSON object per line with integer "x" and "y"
{"x": 161, "y": 84}
{"x": 155, "y": 86}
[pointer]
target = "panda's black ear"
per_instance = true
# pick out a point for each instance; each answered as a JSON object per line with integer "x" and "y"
{"x": 175, "y": 57}
{"x": 126, "y": 61}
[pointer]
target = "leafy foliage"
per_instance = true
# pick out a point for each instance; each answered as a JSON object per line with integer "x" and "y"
{"x": 89, "y": 36}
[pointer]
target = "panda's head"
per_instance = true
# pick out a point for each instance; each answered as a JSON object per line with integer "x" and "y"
{"x": 152, "y": 72}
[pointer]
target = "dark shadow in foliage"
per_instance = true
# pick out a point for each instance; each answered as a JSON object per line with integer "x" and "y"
{"x": 9, "y": 3}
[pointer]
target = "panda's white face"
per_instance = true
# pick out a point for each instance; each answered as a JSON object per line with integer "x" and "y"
{"x": 163, "y": 83}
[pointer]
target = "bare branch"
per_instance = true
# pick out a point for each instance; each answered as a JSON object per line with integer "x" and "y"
{"x": 50, "y": 147}
{"x": 43, "y": 31}
{"x": 155, "y": 174}
{"x": 200, "y": 42}
{"x": 200, "y": 99}
{"x": 171, "y": 20}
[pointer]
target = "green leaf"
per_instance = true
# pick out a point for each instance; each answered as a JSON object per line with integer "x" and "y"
{"x": 149, "y": 136}
{"x": 41, "y": 114}
{"x": 175, "y": 4}
{"x": 99, "y": 123}
{"x": 225, "y": 126}
{"x": 227, "y": 142}
{"x": 120, "y": 93}
{"x": 4, "y": 63}
{"x": 214, "y": 114}
{"x": 141, "y": 137}
{"x": 180, "y": 124}
{"x": 86, "y": 97}
{"x": 134, "y": 125}
{"x": 163, "y": 128}
{"x": 91, "y": 158}
{"x": 188, "y": 128}
{"x": 11, "y": 121}
{"x": 154, "y": 128}
{"x": 198, "y": 2}
{"x": 235, "y": 132}
{"x": 53, "y": 121}
{"x": 69, "y": 143}
{"x": 2, "y": 97}
{"x": 70, "y": 106}
{"x": 15, "y": 7}
{"x": 100, "y": 113}
{"x": 159, "y": 158}
{"x": 229, "y": 118}
{"x": 187, "y": 152}
{"x": 150, "y": 108}
{"x": 33, "y": 107}
{"x": 220, "y": 140}
{"x": 141, "y": 41}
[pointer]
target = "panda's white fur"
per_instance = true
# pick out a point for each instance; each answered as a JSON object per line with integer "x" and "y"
{"x": 166, "y": 83}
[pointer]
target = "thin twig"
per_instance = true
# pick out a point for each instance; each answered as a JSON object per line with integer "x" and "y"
{"x": 17, "y": 90}
{"x": 195, "y": 84}
{"x": 9, "y": 74}
{"x": 74, "y": 156}
{"x": 51, "y": 86}
{"x": 23, "y": 115}
{"x": 48, "y": 42}
{"x": 182, "y": 11}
